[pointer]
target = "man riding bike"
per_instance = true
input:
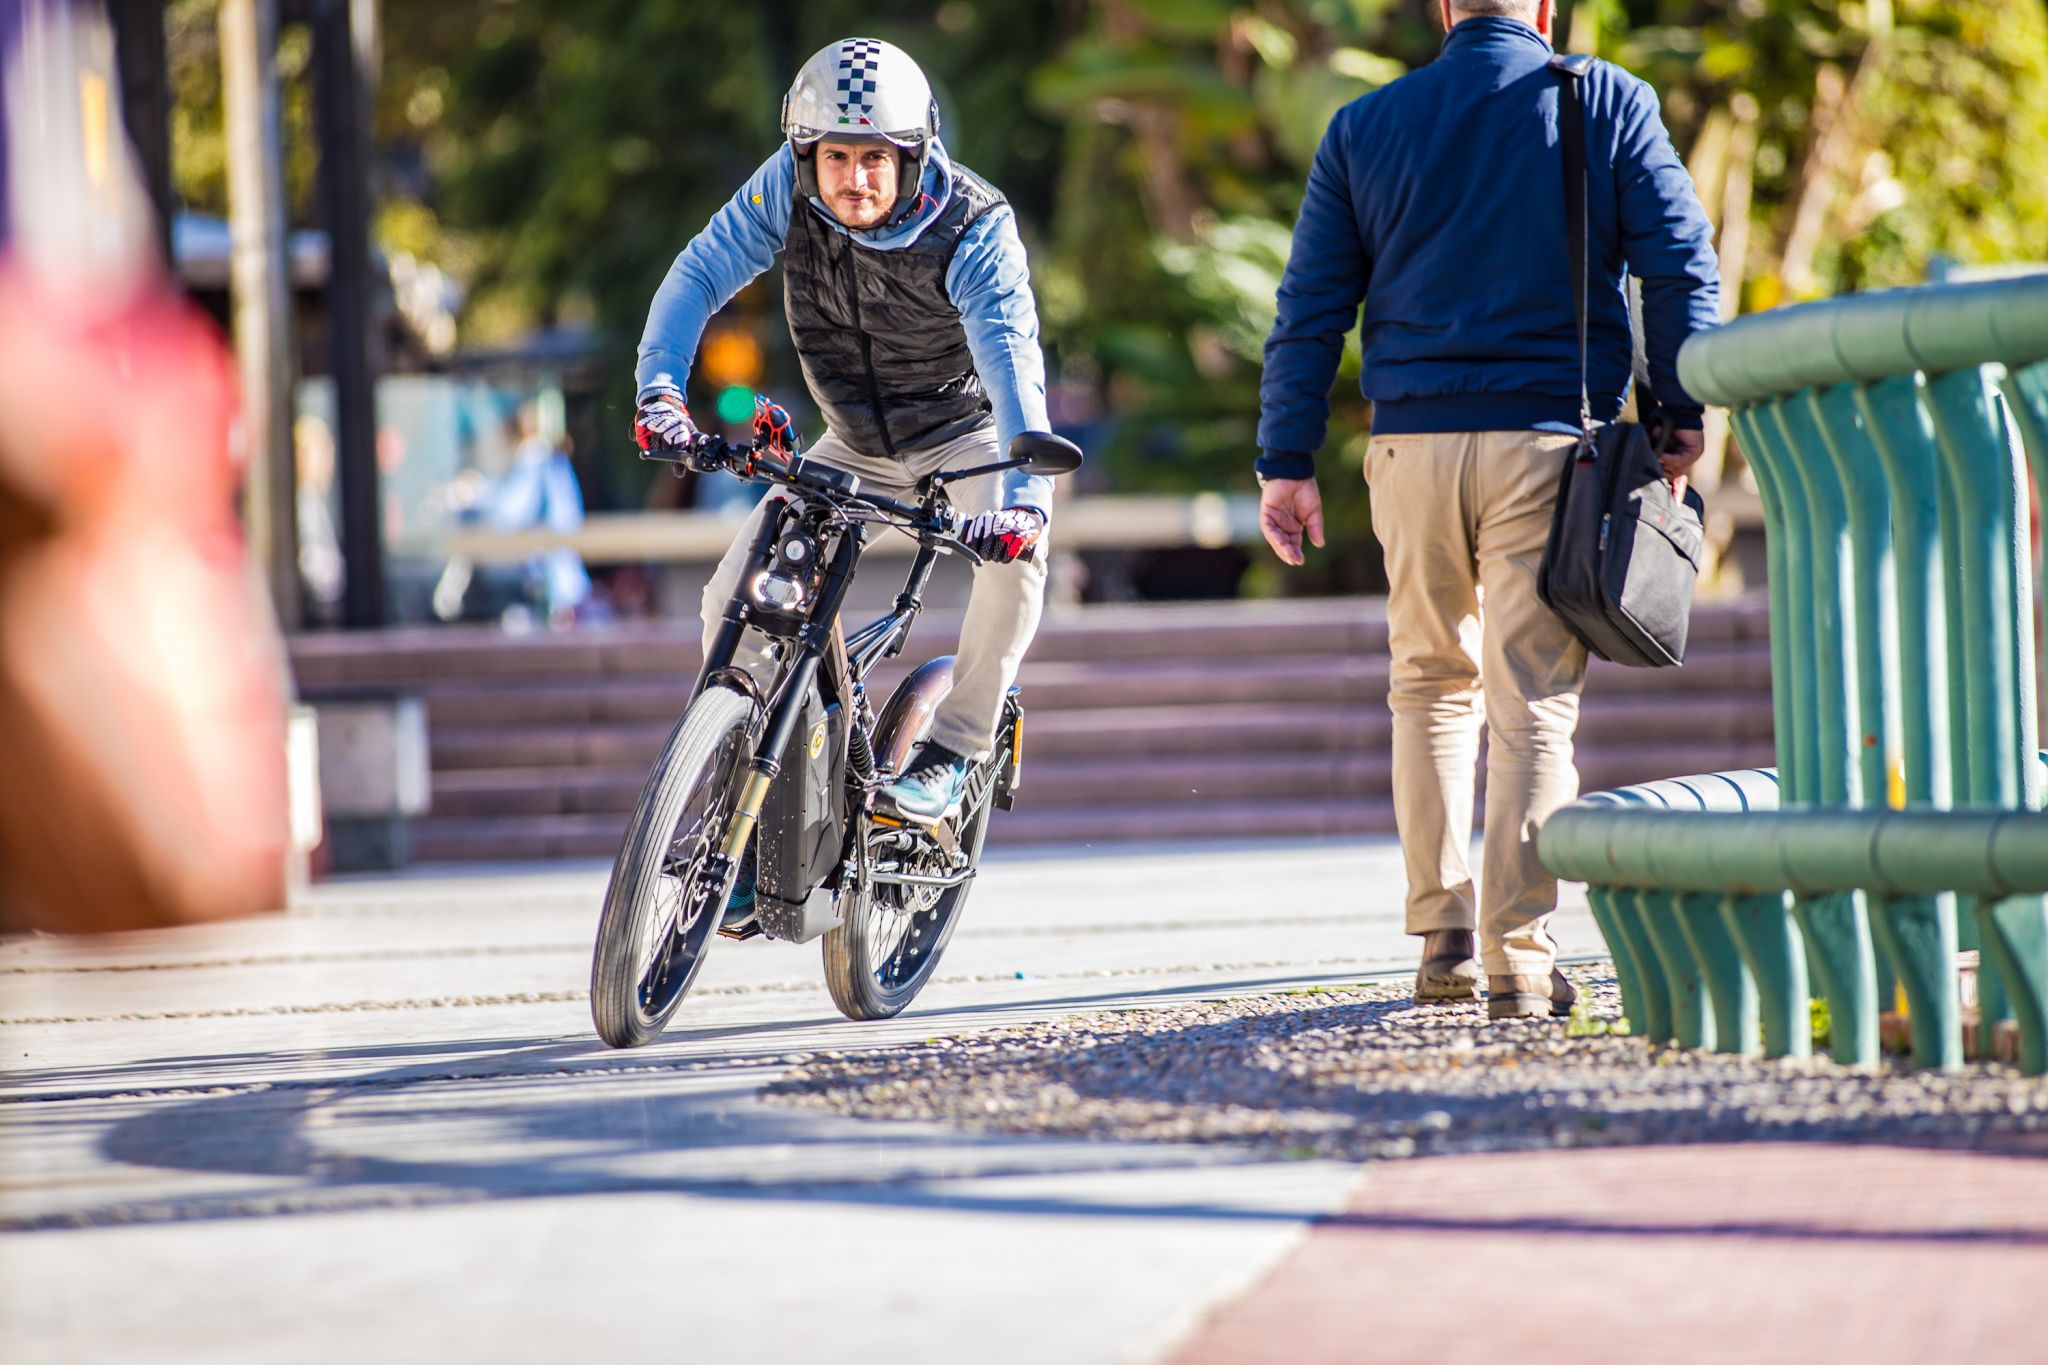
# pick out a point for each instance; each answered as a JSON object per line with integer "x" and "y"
{"x": 909, "y": 300}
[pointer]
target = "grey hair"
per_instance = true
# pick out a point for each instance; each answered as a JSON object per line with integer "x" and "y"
{"x": 1510, "y": 9}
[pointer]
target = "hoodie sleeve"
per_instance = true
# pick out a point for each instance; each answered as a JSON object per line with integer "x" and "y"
{"x": 1327, "y": 269}
{"x": 989, "y": 281}
{"x": 737, "y": 245}
{"x": 1667, "y": 242}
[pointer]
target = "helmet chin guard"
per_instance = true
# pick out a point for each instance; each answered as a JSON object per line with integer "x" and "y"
{"x": 861, "y": 90}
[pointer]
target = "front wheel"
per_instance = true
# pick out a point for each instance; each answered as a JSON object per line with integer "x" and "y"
{"x": 888, "y": 943}
{"x": 668, "y": 886}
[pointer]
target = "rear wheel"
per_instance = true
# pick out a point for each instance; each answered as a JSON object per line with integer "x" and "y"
{"x": 667, "y": 892}
{"x": 888, "y": 943}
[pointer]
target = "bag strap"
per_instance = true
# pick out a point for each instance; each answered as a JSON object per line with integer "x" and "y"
{"x": 1571, "y": 68}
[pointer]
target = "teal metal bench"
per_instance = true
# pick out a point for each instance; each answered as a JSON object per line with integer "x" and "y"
{"x": 1888, "y": 433}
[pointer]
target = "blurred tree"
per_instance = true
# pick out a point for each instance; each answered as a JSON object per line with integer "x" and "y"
{"x": 199, "y": 158}
{"x": 1190, "y": 128}
{"x": 1837, "y": 144}
{"x": 1884, "y": 134}
{"x": 554, "y": 156}
{"x": 557, "y": 154}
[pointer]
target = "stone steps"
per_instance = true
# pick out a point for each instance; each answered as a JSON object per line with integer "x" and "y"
{"x": 1227, "y": 720}
{"x": 481, "y": 793}
{"x": 1114, "y": 731}
{"x": 1340, "y": 627}
{"x": 1048, "y": 686}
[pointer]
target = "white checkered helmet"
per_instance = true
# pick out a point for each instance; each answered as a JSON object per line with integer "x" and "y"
{"x": 859, "y": 89}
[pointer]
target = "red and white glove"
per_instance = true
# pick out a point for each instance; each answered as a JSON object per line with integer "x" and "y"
{"x": 1000, "y": 537}
{"x": 774, "y": 431}
{"x": 662, "y": 423}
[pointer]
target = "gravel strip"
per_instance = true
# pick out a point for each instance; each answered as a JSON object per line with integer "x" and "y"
{"x": 1362, "y": 1072}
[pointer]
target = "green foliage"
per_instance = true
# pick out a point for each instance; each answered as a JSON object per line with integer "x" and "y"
{"x": 555, "y": 155}
{"x": 1586, "y": 1024}
{"x": 568, "y": 149}
{"x": 1819, "y": 1023}
{"x": 199, "y": 152}
{"x": 1944, "y": 149}
{"x": 1956, "y": 161}
{"x": 1187, "y": 145}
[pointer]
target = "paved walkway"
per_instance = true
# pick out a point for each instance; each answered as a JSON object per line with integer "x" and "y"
{"x": 379, "y": 1128}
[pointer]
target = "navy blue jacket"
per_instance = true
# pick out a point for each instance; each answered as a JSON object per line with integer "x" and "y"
{"x": 1439, "y": 201}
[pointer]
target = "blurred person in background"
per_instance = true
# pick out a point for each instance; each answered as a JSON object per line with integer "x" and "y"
{"x": 142, "y": 682}
{"x": 909, "y": 300}
{"x": 539, "y": 489}
{"x": 1438, "y": 201}
{"x": 321, "y": 571}
{"x": 536, "y": 490}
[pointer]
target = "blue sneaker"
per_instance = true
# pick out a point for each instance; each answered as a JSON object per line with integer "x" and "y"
{"x": 929, "y": 789}
{"x": 740, "y": 904}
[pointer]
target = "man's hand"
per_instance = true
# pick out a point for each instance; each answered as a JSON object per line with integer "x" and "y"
{"x": 662, "y": 423}
{"x": 1000, "y": 537}
{"x": 1288, "y": 507}
{"x": 1681, "y": 453}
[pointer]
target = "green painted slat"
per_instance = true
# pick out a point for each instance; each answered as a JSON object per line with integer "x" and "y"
{"x": 1769, "y": 942}
{"x": 1731, "y": 988}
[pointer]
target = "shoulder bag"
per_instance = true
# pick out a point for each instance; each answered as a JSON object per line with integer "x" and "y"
{"x": 1623, "y": 553}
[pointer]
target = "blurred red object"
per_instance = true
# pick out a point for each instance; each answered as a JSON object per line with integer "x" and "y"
{"x": 142, "y": 681}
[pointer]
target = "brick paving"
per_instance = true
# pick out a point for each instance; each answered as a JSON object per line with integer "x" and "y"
{"x": 1758, "y": 1253}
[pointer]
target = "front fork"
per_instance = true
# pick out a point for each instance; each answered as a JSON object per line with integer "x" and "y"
{"x": 812, "y": 641}
{"x": 733, "y": 624}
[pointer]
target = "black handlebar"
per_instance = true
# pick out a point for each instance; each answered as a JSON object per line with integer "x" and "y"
{"x": 707, "y": 453}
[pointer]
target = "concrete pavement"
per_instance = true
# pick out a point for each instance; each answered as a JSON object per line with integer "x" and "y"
{"x": 380, "y": 1127}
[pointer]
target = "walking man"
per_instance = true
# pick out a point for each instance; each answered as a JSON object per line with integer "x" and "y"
{"x": 1438, "y": 200}
{"x": 909, "y": 301}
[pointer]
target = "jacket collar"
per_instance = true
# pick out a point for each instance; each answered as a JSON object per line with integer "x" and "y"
{"x": 1492, "y": 32}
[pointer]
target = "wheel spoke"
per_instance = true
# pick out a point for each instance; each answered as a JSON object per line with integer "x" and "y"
{"x": 879, "y": 959}
{"x": 681, "y": 896}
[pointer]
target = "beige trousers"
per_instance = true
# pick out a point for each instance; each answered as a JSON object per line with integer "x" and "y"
{"x": 1463, "y": 517}
{"x": 1003, "y": 606}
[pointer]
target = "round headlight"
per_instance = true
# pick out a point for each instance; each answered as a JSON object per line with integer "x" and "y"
{"x": 777, "y": 592}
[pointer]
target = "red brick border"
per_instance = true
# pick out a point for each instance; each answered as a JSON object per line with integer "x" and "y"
{"x": 1750, "y": 1253}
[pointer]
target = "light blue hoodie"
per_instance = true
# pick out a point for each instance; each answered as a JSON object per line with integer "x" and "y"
{"x": 989, "y": 281}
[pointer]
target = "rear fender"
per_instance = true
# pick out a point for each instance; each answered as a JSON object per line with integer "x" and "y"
{"x": 907, "y": 716}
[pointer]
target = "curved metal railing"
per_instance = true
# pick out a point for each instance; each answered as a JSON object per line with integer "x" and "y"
{"x": 1888, "y": 434}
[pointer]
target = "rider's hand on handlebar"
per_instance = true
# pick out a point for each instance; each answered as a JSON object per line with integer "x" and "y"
{"x": 774, "y": 430}
{"x": 1002, "y": 536}
{"x": 662, "y": 425}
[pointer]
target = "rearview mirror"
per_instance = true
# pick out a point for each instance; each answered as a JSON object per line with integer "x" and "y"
{"x": 1041, "y": 452}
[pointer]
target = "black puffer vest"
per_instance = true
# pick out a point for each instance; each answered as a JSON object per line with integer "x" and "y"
{"x": 883, "y": 350}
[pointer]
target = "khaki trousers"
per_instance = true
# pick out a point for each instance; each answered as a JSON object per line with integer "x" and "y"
{"x": 1463, "y": 517}
{"x": 1003, "y": 606}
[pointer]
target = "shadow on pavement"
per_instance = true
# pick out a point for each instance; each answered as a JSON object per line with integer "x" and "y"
{"x": 208, "y": 1070}
{"x": 469, "y": 1121}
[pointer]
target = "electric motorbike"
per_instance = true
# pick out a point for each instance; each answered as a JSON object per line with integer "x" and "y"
{"x": 775, "y": 778}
